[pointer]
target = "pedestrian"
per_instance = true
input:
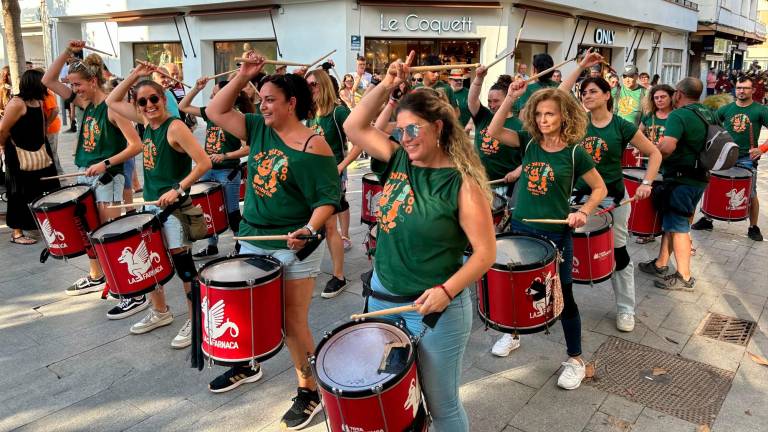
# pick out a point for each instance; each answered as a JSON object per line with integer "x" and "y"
{"x": 347, "y": 91}
{"x": 644, "y": 80}
{"x": 461, "y": 94}
{"x": 363, "y": 78}
{"x": 541, "y": 62}
{"x": 723, "y": 83}
{"x": 432, "y": 80}
{"x": 628, "y": 98}
{"x": 711, "y": 81}
{"x": 522, "y": 70}
{"x": 557, "y": 76}
{"x": 53, "y": 117}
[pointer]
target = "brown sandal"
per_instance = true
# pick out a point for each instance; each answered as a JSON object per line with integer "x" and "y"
{"x": 23, "y": 240}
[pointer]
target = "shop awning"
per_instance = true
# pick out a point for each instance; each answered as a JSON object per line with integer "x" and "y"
{"x": 434, "y": 4}
{"x": 730, "y": 33}
{"x": 238, "y": 10}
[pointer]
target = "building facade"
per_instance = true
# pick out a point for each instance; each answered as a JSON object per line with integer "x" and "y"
{"x": 759, "y": 53}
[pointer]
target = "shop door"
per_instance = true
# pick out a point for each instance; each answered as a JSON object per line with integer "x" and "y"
{"x": 379, "y": 53}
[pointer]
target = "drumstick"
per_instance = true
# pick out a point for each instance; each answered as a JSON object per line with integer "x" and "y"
{"x": 278, "y": 237}
{"x": 510, "y": 52}
{"x": 548, "y": 221}
{"x": 78, "y": 174}
{"x": 604, "y": 211}
{"x": 98, "y": 50}
{"x": 272, "y": 62}
{"x": 390, "y": 311}
{"x": 499, "y": 181}
{"x": 136, "y": 204}
{"x": 158, "y": 71}
{"x": 546, "y": 71}
{"x": 224, "y": 73}
{"x": 443, "y": 67}
{"x": 320, "y": 59}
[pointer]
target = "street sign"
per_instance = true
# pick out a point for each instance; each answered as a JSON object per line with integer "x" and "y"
{"x": 355, "y": 42}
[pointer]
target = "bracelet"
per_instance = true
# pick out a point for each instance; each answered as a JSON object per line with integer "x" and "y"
{"x": 582, "y": 212}
{"x": 445, "y": 290}
{"x": 764, "y": 148}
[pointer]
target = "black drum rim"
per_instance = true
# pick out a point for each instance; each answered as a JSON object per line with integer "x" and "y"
{"x": 153, "y": 223}
{"x": 53, "y": 207}
{"x": 217, "y": 186}
{"x": 550, "y": 257}
{"x": 241, "y": 284}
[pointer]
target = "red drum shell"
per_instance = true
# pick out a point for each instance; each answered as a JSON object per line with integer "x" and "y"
{"x": 243, "y": 179}
{"x": 507, "y": 299}
{"x": 628, "y": 158}
{"x": 242, "y": 304}
{"x": 210, "y": 197}
{"x": 346, "y": 365}
{"x": 644, "y": 219}
{"x": 62, "y": 230}
{"x": 132, "y": 252}
{"x": 727, "y": 196}
{"x": 593, "y": 260}
{"x": 371, "y": 193}
{"x": 370, "y": 241}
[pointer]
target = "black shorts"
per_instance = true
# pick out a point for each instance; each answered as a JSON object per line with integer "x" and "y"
{"x": 343, "y": 204}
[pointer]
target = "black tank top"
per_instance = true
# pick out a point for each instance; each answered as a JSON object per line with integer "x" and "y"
{"x": 29, "y": 131}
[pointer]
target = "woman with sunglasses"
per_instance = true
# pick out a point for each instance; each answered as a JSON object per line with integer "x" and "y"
{"x": 347, "y": 91}
{"x": 293, "y": 187}
{"x": 436, "y": 203}
{"x": 552, "y": 162}
{"x": 225, "y": 151}
{"x": 169, "y": 149}
{"x": 606, "y": 138}
{"x": 105, "y": 141}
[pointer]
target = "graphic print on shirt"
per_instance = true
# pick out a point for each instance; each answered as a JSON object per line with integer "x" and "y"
{"x": 214, "y": 140}
{"x": 740, "y": 123}
{"x": 396, "y": 200}
{"x": 488, "y": 145}
{"x": 596, "y": 147}
{"x": 91, "y": 134}
{"x": 656, "y": 133}
{"x": 317, "y": 129}
{"x": 150, "y": 153}
{"x": 627, "y": 105}
{"x": 540, "y": 175}
{"x": 270, "y": 167}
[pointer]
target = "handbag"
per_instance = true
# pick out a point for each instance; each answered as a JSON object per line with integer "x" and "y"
{"x": 34, "y": 160}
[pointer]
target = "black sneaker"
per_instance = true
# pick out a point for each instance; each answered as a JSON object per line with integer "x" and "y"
{"x": 234, "y": 377}
{"x": 208, "y": 252}
{"x": 85, "y": 285}
{"x": 703, "y": 224}
{"x": 305, "y": 405}
{"x": 334, "y": 287}
{"x": 675, "y": 282}
{"x": 650, "y": 268}
{"x": 754, "y": 233}
{"x": 127, "y": 307}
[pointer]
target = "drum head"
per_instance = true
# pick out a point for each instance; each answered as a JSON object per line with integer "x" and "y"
{"x": 639, "y": 174}
{"x": 123, "y": 225}
{"x": 595, "y": 223}
{"x": 351, "y": 357}
{"x": 735, "y": 172}
{"x": 523, "y": 252}
{"x": 240, "y": 271}
{"x": 370, "y": 178}
{"x": 203, "y": 187}
{"x": 61, "y": 196}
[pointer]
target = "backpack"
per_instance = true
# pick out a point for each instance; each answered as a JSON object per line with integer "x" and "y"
{"x": 720, "y": 151}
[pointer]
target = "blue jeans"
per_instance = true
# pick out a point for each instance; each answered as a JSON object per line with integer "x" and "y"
{"x": 440, "y": 351}
{"x": 570, "y": 318}
{"x": 231, "y": 193}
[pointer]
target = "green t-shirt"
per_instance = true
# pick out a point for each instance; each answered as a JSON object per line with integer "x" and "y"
{"x": 420, "y": 243}
{"x": 529, "y": 91}
{"x": 744, "y": 124}
{"x": 445, "y": 88}
{"x": 163, "y": 165}
{"x": 691, "y": 134}
{"x": 461, "y": 99}
{"x": 606, "y": 146}
{"x": 219, "y": 141}
{"x": 331, "y": 126}
{"x": 628, "y": 103}
{"x": 497, "y": 158}
{"x": 284, "y": 185}
{"x": 544, "y": 187}
{"x": 654, "y": 127}
{"x": 99, "y": 139}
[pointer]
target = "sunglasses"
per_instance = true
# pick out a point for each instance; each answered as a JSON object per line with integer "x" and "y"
{"x": 143, "y": 101}
{"x": 412, "y": 130}
{"x": 312, "y": 84}
{"x": 417, "y": 79}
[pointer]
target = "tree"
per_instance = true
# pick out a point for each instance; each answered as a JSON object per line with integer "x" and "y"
{"x": 13, "y": 43}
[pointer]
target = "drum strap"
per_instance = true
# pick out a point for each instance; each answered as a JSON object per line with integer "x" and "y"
{"x": 429, "y": 320}
{"x": 196, "y": 353}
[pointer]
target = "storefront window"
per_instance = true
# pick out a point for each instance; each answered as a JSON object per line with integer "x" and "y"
{"x": 525, "y": 52}
{"x": 607, "y": 54}
{"x": 379, "y": 53}
{"x": 225, "y": 52}
{"x": 160, "y": 53}
{"x": 671, "y": 65}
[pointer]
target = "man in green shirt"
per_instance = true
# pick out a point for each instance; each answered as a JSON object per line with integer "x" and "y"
{"x": 627, "y": 99}
{"x": 744, "y": 119}
{"x": 432, "y": 80}
{"x": 685, "y": 137}
{"x": 541, "y": 62}
{"x": 460, "y": 92}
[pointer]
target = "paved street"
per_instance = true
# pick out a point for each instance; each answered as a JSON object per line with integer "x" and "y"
{"x": 67, "y": 368}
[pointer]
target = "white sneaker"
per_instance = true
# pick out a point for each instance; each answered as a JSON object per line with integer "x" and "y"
{"x": 625, "y": 322}
{"x": 184, "y": 338}
{"x": 153, "y": 320}
{"x": 505, "y": 345}
{"x": 573, "y": 373}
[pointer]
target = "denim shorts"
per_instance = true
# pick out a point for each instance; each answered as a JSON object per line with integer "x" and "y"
{"x": 111, "y": 192}
{"x": 128, "y": 167}
{"x": 682, "y": 201}
{"x": 173, "y": 233}
{"x": 294, "y": 269}
{"x": 749, "y": 164}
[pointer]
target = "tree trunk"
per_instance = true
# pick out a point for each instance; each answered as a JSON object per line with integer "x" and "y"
{"x": 13, "y": 43}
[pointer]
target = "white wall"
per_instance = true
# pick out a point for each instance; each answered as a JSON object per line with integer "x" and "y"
{"x": 657, "y": 12}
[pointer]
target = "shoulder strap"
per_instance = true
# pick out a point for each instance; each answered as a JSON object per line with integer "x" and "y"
{"x": 573, "y": 168}
{"x": 338, "y": 129}
{"x": 529, "y": 143}
{"x": 306, "y": 143}
{"x": 698, "y": 114}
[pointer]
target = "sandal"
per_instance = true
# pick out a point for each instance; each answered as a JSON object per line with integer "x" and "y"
{"x": 23, "y": 240}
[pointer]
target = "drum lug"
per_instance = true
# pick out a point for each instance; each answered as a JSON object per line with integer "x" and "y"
{"x": 377, "y": 389}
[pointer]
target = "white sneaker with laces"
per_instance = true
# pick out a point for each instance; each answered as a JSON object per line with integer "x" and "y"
{"x": 184, "y": 338}
{"x": 625, "y": 322}
{"x": 505, "y": 345}
{"x": 153, "y": 320}
{"x": 573, "y": 373}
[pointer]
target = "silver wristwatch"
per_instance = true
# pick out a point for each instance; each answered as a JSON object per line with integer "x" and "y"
{"x": 311, "y": 230}
{"x": 646, "y": 182}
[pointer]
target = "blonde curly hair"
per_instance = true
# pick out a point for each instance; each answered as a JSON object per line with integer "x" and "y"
{"x": 573, "y": 115}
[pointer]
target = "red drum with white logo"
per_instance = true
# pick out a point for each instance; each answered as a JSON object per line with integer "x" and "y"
{"x": 628, "y": 158}
{"x": 243, "y": 179}
{"x": 133, "y": 255}
{"x": 499, "y": 211}
{"x": 371, "y": 193}
{"x": 727, "y": 196}
{"x": 242, "y": 305}
{"x": 65, "y": 217}
{"x": 210, "y": 197}
{"x": 368, "y": 380}
{"x": 370, "y": 241}
{"x": 521, "y": 292}
{"x": 593, "y": 250}
{"x": 644, "y": 219}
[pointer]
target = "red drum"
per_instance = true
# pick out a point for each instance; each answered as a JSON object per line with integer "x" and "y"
{"x": 243, "y": 179}
{"x": 371, "y": 193}
{"x": 65, "y": 217}
{"x": 367, "y": 376}
{"x": 521, "y": 293}
{"x": 370, "y": 241}
{"x": 628, "y": 158}
{"x": 132, "y": 253}
{"x": 593, "y": 250}
{"x": 210, "y": 197}
{"x": 499, "y": 209}
{"x": 727, "y": 196}
{"x": 644, "y": 219}
{"x": 242, "y": 304}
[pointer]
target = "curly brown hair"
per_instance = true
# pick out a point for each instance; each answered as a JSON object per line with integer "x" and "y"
{"x": 573, "y": 115}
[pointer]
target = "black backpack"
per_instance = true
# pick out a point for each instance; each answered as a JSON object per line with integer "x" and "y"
{"x": 720, "y": 151}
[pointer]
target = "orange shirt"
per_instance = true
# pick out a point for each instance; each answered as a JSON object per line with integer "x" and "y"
{"x": 49, "y": 104}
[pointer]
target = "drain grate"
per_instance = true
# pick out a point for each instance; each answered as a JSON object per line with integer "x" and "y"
{"x": 682, "y": 388}
{"x": 727, "y": 329}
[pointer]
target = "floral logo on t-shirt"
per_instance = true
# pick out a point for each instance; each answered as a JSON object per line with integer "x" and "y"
{"x": 596, "y": 147}
{"x": 397, "y": 198}
{"x": 627, "y": 105}
{"x": 270, "y": 167}
{"x": 91, "y": 134}
{"x": 539, "y": 175}
{"x": 214, "y": 140}
{"x": 488, "y": 144}
{"x": 317, "y": 129}
{"x": 740, "y": 123}
{"x": 150, "y": 153}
